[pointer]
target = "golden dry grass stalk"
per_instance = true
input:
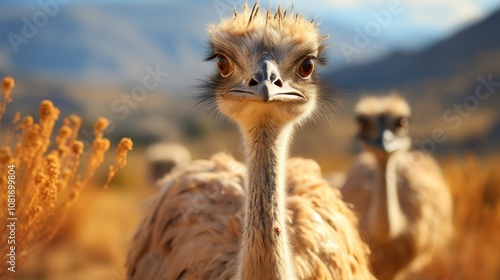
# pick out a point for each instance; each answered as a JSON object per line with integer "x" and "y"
{"x": 47, "y": 182}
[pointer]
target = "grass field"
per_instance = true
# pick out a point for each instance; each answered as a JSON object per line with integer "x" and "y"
{"x": 93, "y": 242}
{"x": 71, "y": 232}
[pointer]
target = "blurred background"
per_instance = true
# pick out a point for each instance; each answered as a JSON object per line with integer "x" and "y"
{"x": 138, "y": 62}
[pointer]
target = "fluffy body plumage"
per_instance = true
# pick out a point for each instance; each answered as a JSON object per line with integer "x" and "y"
{"x": 421, "y": 197}
{"x": 194, "y": 226}
{"x": 274, "y": 219}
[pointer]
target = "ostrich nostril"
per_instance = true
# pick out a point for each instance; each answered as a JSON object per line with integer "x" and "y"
{"x": 252, "y": 82}
{"x": 278, "y": 83}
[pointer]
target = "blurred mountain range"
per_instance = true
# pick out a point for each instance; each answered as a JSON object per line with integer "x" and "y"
{"x": 444, "y": 83}
{"x": 87, "y": 58}
{"x": 442, "y": 59}
{"x": 110, "y": 42}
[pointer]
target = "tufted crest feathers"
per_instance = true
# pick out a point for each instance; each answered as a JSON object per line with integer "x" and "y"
{"x": 282, "y": 23}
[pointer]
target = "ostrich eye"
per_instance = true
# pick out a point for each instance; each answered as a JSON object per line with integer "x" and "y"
{"x": 402, "y": 122}
{"x": 306, "y": 67}
{"x": 224, "y": 66}
{"x": 364, "y": 124}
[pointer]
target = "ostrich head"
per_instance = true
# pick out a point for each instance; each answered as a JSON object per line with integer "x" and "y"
{"x": 265, "y": 67}
{"x": 383, "y": 124}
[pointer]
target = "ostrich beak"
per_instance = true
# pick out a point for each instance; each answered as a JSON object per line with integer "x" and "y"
{"x": 388, "y": 141}
{"x": 266, "y": 85}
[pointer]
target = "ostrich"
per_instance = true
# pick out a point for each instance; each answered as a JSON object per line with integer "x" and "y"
{"x": 163, "y": 157}
{"x": 400, "y": 196}
{"x": 270, "y": 219}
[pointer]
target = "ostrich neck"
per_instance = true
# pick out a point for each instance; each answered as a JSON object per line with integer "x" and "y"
{"x": 386, "y": 219}
{"x": 265, "y": 250}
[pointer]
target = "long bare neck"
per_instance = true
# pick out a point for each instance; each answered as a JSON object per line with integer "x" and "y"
{"x": 386, "y": 219}
{"x": 265, "y": 250}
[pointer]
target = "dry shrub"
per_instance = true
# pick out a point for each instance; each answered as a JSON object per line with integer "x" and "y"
{"x": 473, "y": 253}
{"x": 46, "y": 181}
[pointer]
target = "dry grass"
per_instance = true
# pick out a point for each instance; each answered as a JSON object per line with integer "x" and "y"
{"x": 92, "y": 243}
{"x": 473, "y": 253}
{"x": 46, "y": 179}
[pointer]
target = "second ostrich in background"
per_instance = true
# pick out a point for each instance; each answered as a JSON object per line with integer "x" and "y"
{"x": 273, "y": 220}
{"x": 403, "y": 202}
{"x": 162, "y": 158}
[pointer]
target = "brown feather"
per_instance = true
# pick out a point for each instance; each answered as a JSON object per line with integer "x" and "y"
{"x": 193, "y": 226}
